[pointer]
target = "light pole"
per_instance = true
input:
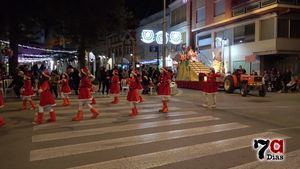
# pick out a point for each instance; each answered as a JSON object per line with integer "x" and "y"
{"x": 164, "y": 35}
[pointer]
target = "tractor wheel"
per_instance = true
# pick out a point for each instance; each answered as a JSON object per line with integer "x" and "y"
{"x": 228, "y": 84}
{"x": 244, "y": 90}
{"x": 262, "y": 92}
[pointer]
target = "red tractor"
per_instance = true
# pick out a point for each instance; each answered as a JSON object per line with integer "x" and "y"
{"x": 244, "y": 82}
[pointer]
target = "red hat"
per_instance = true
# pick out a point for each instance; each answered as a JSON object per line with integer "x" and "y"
{"x": 85, "y": 70}
{"x": 46, "y": 73}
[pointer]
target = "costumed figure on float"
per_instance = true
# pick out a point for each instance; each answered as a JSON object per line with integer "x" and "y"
{"x": 115, "y": 87}
{"x": 85, "y": 95}
{"x": 164, "y": 89}
{"x": 46, "y": 100}
{"x": 65, "y": 89}
{"x": 133, "y": 94}
{"x": 210, "y": 89}
{"x": 27, "y": 91}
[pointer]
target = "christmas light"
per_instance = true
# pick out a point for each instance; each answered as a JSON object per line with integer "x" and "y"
{"x": 159, "y": 37}
{"x": 175, "y": 38}
{"x": 37, "y": 56}
{"x": 42, "y": 49}
{"x": 148, "y": 36}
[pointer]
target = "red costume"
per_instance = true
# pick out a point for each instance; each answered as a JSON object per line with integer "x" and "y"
{"x": 27, "y": 87}
{"x": 133, "y": 93}
{"x": 65, "y": 88}
{"x": 164, "y": 84}
{"x": 115, "y": 86}
{"x": 164, "y": 88}
{"x": 211, "y": 85}
{"x": 46, "y": 100}
{"x": 27, "y": 91}
{"x": 134, "y": 87}
{"x": 85, "y": 95}
{"x": 85, "y": 89}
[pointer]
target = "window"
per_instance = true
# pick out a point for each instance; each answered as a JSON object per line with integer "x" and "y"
{"x": 244, "y": 34}
{"x": 223, "y": 37}
{"x": 178, "y": 15}
{"x": 219, "y": 7}
{"x": 295, "y": 27}
{"x": 204, "y": 42}
{"x": 267, "y": 29}
{"x": 283, "y": 28}
{"x": 200, "y": 14}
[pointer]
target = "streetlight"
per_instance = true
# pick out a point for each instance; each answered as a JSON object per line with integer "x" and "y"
{"x": 164, "y": 34}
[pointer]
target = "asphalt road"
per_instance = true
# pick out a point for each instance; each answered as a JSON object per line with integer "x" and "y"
{"x": 188, "y": 137}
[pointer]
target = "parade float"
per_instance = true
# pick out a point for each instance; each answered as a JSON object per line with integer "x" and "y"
{"x": 192, "y": 71}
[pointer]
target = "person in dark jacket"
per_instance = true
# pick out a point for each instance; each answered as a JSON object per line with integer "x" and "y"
{"x": 17, "y": 83}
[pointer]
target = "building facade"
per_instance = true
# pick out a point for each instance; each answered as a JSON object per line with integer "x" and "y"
{"x": 120, "y": 47}
{"x": 256, "y": 34}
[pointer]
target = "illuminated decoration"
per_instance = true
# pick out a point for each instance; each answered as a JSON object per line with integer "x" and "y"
{"x": 175, "y": 38}
{"x": 148, "y": 36}
{"x": 37, "y": 56}
{"x": 42, "y": 49}
{"x": 31, "y": 60}
{"x": 159, "y": 37}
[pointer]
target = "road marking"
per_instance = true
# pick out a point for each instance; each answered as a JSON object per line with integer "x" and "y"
{"x": 67, "y": 124}
{"x": 161, "y": 158}
{"x": 62, "y": 151}
{"x": 128, "y": 127}
{"x": 292, "y": 161}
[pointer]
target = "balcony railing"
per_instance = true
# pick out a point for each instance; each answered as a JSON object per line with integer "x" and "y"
{"x": 260, "y": 4}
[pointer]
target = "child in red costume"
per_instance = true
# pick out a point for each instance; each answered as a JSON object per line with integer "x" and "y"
{"x": 85, "y": 95}
{"x": 27, "y": 92}
{"x": 1, "y": 105}
{"x": 65, "y": 89}
{"x": 210, "y": 89}
{"x": 133, "y": 93}
{"x": 164, "y": 89}
{"x": 46, "y": 100}
{"x": 115, "y": 87}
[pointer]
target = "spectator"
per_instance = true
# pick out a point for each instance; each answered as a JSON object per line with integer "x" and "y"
{"x": 76, "y": 79}
{"x": 54, "y": 80}
{"x": 17, "y": 83}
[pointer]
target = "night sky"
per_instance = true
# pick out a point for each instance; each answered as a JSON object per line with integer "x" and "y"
{"x": 144, "y": 8}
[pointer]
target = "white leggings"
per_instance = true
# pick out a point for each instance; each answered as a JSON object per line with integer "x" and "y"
{"x": 45, "y": 109}
{"x": 83, "y": 103}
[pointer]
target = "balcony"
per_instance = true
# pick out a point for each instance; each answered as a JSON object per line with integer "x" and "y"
{"x": 243, "y": 7}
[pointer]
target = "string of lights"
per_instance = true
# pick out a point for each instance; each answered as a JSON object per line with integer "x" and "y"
{"x": 42, "y": 49}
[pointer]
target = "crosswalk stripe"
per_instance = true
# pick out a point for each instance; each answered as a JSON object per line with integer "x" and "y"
{"x": 126, "y": 109}
{"x": 97, "y": 131}
{"x": 292, "y": 161}
{"x": 63, "y": 151}
{"x": 108, "y": 120}
{"x": 162, "y": 158}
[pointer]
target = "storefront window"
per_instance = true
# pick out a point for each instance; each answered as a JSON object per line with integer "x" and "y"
{"x": 244, "y": 34}
{"x": 204, "y": 42}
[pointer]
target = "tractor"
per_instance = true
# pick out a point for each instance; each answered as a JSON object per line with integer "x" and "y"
{"x": 240, "y": 80}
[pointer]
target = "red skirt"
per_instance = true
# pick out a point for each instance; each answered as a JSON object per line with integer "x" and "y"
{"x": 115, "y": 89}
{"x": 133, "y": 95}
{"x": 210, "y": 87}
{"x": 66, "y": 89}
{"x": 47, "y": 99}
{"x": 27, "y": 92}
{"x": 164, "y": 90}
{"x": 84, "y": 93}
